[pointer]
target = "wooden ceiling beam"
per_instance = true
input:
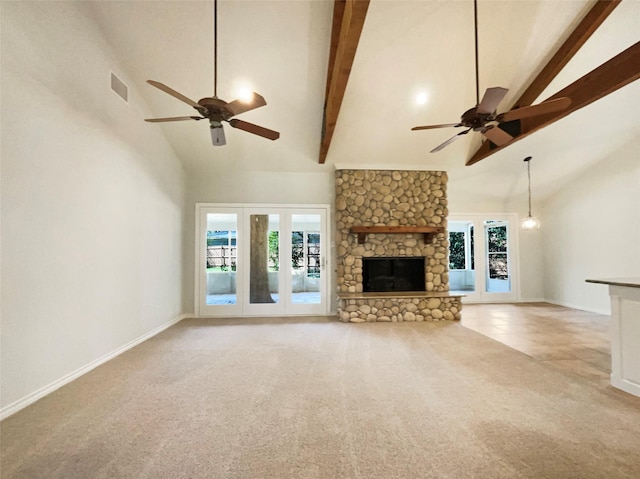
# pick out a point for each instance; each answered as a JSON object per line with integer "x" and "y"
{"x": 589, "y": 24}
{"x": 621, "y": 70}
{"x": 348, "y": 21}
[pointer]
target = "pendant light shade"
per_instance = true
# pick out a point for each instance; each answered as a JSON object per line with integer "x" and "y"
{"x": 530, "y": 222}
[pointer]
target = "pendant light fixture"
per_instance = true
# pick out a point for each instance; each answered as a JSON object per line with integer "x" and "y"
{"x": 530, "y": 222}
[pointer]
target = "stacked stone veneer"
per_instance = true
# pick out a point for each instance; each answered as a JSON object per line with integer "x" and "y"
{"x": 392, "y": 198}
{"x": 359, "y": 310}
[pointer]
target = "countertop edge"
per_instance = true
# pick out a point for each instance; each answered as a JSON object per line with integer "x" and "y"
{"x": 628, "y": 282}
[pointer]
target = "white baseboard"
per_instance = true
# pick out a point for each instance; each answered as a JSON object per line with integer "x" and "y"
{"x": 16, "y": 406}
{"x": 580, "y": 307}
{"x": 532, "y": 300}
{"x": 493, "y": 301}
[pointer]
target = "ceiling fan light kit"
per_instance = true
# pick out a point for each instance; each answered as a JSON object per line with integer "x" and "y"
{"x": 530, "y": 222}
{"x": 216, "y": 110}
{"x": 217, "y": 134}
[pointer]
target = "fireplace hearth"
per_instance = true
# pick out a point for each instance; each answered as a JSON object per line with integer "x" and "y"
{"x": 388, "y": 274}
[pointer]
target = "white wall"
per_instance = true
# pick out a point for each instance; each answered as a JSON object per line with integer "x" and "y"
{"x": 591, "y": 229}
{"x": 531, "y": 257}
{"x": 233, "y": 185}
{"x": 92, "y": 205}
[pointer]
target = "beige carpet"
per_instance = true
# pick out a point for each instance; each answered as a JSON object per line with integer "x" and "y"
{"x": 313, "y": 398}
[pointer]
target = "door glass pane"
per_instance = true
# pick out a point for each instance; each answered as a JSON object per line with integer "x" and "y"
{"x": 462, "y": 275}
{"x": 264, "y": 258}
{"x": 305, "y": 258}
{"x": 222, "y": 258}
{"x": 497, "y": 241}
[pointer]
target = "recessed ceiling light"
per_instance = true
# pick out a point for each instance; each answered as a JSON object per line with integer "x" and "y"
{"x": 245, "y": 94}
{"x": 421, "y": 98}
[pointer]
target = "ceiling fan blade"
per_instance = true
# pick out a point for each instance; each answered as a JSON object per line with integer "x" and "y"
{"x": 173, "y": 93}
{"x": 534, "y": 110}
{"x": 491, "y": 99}
{"x": 255, "y": 129}
{"x": 240, "y": 106}
{"x": 174, "y": 118}
{"x": 450, "y": 140}
{"x": 429, "y": 127}
{"x": 496, "y": 135}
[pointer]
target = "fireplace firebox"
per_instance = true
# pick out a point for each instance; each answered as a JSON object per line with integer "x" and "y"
{"x": 387, "y": 274}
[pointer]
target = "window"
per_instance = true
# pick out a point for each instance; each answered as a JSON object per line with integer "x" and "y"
{"x": 497, "y": 252}
{"x": 305, "y": 252}
{"x": 221, "y": 250}
{"x": 313, "y": 255}
{"x": 457, "y": 249}
{"x": 486, "y": 238}
{"x": 274, "y": 251}
{"x": 461, "y": 254}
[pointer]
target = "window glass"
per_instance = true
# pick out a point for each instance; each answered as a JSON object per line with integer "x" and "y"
{"x": 457, "y": 248}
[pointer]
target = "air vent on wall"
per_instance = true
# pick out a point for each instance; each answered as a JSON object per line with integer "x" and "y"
{"x": 119, "y": 87}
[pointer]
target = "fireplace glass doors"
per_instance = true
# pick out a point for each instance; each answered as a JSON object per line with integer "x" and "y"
{"x": 391, "y": 274}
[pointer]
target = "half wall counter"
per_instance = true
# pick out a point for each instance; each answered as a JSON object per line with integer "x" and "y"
{"x": 625, "y": 332}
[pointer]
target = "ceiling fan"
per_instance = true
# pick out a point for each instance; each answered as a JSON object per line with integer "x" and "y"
{"x": 216, "y": 110}
{"x": 484, "y": 118}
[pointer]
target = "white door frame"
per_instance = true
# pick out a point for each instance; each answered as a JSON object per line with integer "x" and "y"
{"x": 200, "y": 284}
{"x": 480, "y": 295}
{"x": 242, "y": 308}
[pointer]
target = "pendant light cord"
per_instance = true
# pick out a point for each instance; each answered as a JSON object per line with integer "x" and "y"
{"x": 530, "y": 222}
{"x": 528, "y": 159}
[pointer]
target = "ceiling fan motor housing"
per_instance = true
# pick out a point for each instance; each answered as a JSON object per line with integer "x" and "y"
{"x": 472, "y": 119}
{"x": 214, "y": 109}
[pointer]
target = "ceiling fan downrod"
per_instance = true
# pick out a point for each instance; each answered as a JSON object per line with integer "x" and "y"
{"x": 215, "y": 48}
{"x": 475, "y": 29}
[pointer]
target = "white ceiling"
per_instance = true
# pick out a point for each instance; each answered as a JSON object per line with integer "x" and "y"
{"x": 280, "y": 49}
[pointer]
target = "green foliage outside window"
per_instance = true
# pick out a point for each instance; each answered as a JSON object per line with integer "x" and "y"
{"x": 456, "y": 250}
{"x": 497, "y": 254}
{"x": 497, "y": 237}
{"x": 274, "y": 251}
{"x": 297, "y": 249}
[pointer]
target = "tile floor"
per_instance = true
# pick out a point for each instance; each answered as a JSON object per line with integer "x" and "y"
{"x": 567, "y": 339}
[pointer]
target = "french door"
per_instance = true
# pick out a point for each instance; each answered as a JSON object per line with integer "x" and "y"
{"x": 257, "y": 261}
{"x": 482, "y": 257}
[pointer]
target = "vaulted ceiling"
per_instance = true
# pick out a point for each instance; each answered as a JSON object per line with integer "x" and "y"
{"x": 282, "y": 48}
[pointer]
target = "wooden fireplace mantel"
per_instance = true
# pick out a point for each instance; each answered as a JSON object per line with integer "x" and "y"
{"x": 428, "y": 231}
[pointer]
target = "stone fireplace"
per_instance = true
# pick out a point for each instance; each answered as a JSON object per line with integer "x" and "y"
{"x": 392, "y": 215}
